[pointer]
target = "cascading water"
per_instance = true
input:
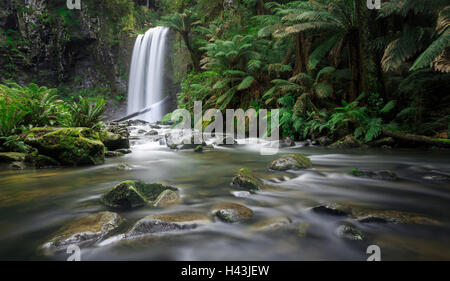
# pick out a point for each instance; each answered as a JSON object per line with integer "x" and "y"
{"x": 146, "y": 86}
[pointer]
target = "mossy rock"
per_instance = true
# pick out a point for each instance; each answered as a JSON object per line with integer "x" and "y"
{"x": 349, "y": 232}
{"x": 167, "y": 223}
{"x": 232, "y": 212}
{"x": 114, "y": 141}
{"x": 378, "y": 175}
{"x": 291, "y": 162}
{"x": 10, "y": 157}
{"x": 84, "y": 230}
{"x": 133, "y": 194}
{"x": 346, "y": 142}
{"x": 68, "y": 146}
{"x": 166, "y": 198}
{"x": 112, "y": 154}
{"x": 245, "y": 179}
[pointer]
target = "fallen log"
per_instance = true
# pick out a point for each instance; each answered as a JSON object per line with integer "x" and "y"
{"x": 143, "y": 111}
{"x": 417, "y": 138}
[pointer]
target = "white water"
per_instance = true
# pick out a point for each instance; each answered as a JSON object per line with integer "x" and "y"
{"x": 146, "y": 85}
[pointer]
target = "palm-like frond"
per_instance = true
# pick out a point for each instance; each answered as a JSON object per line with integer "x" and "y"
{"x": 432, "y": 52}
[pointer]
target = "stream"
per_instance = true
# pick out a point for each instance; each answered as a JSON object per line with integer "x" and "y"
{"x": 36, "y": 203}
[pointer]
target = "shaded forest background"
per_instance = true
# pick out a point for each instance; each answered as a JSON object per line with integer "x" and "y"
{"x": 333, "y": 67}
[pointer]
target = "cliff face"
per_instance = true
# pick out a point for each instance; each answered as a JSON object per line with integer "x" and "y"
{"x": 46, "y": 43}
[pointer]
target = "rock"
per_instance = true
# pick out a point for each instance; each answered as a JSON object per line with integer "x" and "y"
{"x": 181, "y": 140}
{"x": 378, "y": 175}
{"x": 167, "y": 223}
{"x": 270, "y": 224}
{"x": 346, "y": 142}
{"x": 114, "y": 141}
{"x": 124, "y": 167}
{"x": 225, "y": 141}
{"x": 111, "y": 154}
{"x": 323, "y": 141}
{"x": 142, "y": 132}
{"x": 152, "y": 133}
{"x": 156, "y": 127}
{"x": 68, "y": 146}
{"x": 11, "y": 157}
{"x": 245, "y": 179}
{"x": 167, "y": 198}
{"x": 17, "y": 166}
{"x": 133, "y": 194}
{"x": 232, "y": 212}
{"x": 291, "y": 162}
{"x": 84, "y": 230}
{"x": 123, "y": 150}
{"x": 329, "y": 210}
{"x": 349, "y": 232}
{"x": 40, "y": 161}
{"x": 137, "y": 122}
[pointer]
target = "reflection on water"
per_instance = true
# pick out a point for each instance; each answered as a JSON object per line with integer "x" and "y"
{"x": 33, "y": 204}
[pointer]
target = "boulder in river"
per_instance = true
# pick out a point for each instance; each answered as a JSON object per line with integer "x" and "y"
{"x": 111, "y": 154}
{"x": 10, "y": 157}
{"x": 245, "y": 179}
{"x": 134, "y": 194}
{"x": 349, "y": 232}
{"x": 166, "y": 198}
{"x": 291, "y": 162}
{"x": 346, "y": 142}
{"x": 159, "y": 223}
{"x": 68, "y": 146}
{"x": 378, "y": 175}
{"x": 232, "y": 212}
{"x": 270, "y": 224}
{"x": 152, "y": 133}
{"x": 84, "y": 230}
{"x": 114, "y": 141}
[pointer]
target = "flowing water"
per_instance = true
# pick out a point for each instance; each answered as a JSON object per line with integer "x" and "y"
{"x": 35, "y": 203}
{"x": 147, "y": 73}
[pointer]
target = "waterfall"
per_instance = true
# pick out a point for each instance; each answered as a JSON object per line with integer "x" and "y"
{"x": 146, "y": 86}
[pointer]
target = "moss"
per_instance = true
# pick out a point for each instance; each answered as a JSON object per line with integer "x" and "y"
{"x": 69, "y": 146}
{"x": 356, "y": 173}
{"x": 133, "y": 194}
{"x": 245, "y": 179}
{"x": 291, "y": 162}
{"x": 9, "y": 157}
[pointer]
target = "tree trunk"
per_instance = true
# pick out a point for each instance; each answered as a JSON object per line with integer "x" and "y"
{"x": 194, "y": 57}
{"x": 289, "y": 53}
{"x": 301, "y": 57}
{"x": 418, "y": 139}
{"x": 355, "y": 65}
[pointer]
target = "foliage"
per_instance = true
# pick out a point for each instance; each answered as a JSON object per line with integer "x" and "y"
{"x": 85, "y": 113}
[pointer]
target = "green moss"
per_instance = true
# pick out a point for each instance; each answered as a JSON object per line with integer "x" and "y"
{"x": 356, "y": 173}
{"x": 245, "y": 179}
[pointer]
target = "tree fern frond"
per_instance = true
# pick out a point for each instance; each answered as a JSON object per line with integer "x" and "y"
{"x": 433, "y": 51}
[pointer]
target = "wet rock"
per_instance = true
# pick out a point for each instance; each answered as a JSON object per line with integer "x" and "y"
{"x": 324, "y": 141}
{"x": 111, "y": 154}
{"x": 124, "y": 167}
{"x": 167, "y": 198}
{"x": 167, "y": 223}
{"x": 39, "y": 161}
{"x": 378, "y": 175}
{"x": 114, "y": 141}
{"x": 437, "y": 178}
{"x": 346, "y": 142}
{"x": 329, "y": 210}
{"x": 156, "y": 127}
{"x": 152, "y": 133}
{"x": 84, "y": 230}
{"x": 245, "y": 179}
{"x": 232, "y": 212}
{"x": 383, "y": 142}
{"x": 17, "y": 166}
{"x": 137, "y": 122}
{"x": 142, "y": 132}
{"x": 181, "y": 140}
{"x": 270, "y": 224}
{"x": 349, "y": 232}
{"x": 68, "y": 146}
{"x": 11, "y": 157}
{"x": 374, "y": 219}
{"x": 124, "y": 151}
{"x": 133, "y": 194}
{"x": 291, "y": 162}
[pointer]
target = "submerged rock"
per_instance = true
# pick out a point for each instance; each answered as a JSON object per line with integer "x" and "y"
{"x": 84, "y": 230}
{"x": 329, "y": 210}
{"x": 167, "y": 223}
{"x": 134, "y": 194}
{"x": 379, "y": 175}
{"x": 167, "y": 198}
{"x": 123, "y": 150}
{"x": 68, "y": 146}
{"x": 346, "y": 142}
{"x": 232, "y": 212}
{"x": 291, "y": 162}
{"x": 245, "y": 179}
{"x": 349, "y": 232}
{"x": 111, "y": 154}
{"x": 270, "y": 224}
{"x": 124, "y": 167}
